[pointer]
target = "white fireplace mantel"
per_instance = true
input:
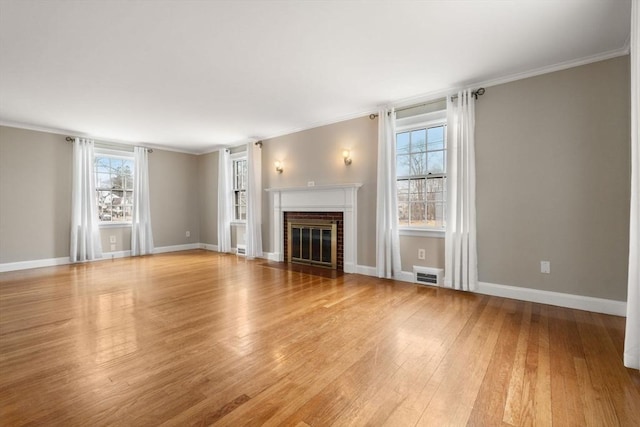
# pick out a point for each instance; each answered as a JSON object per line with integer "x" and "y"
{"x": 325, "y": 198}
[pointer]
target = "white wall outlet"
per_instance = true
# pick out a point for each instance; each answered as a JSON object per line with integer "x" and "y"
{"x": 545, "y": 267}
{"x": 187, "y": 233}
{"x": 311, "y": 183}
{"x": 112, "y": 239}
{"x": 421, "y": 254}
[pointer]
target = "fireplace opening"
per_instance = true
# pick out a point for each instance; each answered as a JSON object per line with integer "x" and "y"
{"x": 314, "y": 238}
{"x": 312, "y": 242}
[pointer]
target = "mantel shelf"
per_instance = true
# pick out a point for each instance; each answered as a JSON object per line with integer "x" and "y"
{"x": 315, "y": 187}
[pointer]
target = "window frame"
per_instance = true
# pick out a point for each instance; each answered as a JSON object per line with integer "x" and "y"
{"x": 233, "y": 159}
{"x": 114, "y": 154}
{"x": 409, "y": 124}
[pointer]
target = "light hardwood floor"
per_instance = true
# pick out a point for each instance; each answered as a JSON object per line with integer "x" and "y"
{"x": 198, "y": 338}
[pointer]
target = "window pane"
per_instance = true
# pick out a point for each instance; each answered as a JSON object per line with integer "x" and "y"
{"x": 102, "y": 165}
{"x": 103, "y": 181}
{"x": 419, "y": 164}
{"x": 403, "y": 213}
{"x": 418, "y": 214}
{"x": 403, "y": 190}
{"x": 417, "y": 189}
{"x": 435, "y": 162}
{"x": 435, "y": 138}
{"x": 402, "y": 143}
{"x": 402, "y": 165}
{"x": 419, "y": 140}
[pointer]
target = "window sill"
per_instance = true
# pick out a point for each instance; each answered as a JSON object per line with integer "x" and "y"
{"x": 237, "y": 223}
{"x": 115, "y": 225}
{"x": 422, "y": 232}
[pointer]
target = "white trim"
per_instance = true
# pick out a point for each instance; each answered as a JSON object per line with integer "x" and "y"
{"x": 323, "y": 198}
{"x": 177, "y": 248}
{"x": 405, "y": 276}
{"x": 271, "y": 256}
{"x": 365, "y": 270}
{"x": 422, "y": 232}
{"x": 579, "y": 302}
{"x": 208, "y": 247}
{"x": 555, "y": 67}
{"x": 72, "y": 133}
{"x": 36, "y": 263}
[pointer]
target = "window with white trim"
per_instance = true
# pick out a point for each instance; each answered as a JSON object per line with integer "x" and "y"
{"x": 421, "y": 163}
{"x": 114, "y": 187}
{"x": 239, "y": 179}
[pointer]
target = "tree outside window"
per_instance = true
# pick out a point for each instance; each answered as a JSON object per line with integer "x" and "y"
{"x": 421, "y": 176}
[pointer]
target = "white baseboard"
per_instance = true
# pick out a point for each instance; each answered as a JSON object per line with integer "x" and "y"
{"x": 177, "y": 248}
{"x": 271, "y": 256}
{"x": 597, "y": 305}
{"x": 579, "y": 302}
{"x": 208, "y": 247}
{"x": 405, "y": 276}
{"x": 365, "y": 270}
{"x": 36, "y": 263}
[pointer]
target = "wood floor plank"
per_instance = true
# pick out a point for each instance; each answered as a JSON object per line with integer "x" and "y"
{"x": 201, "y": 338}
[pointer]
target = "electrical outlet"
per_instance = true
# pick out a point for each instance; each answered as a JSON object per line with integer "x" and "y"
{"x": 112, "y": 239}
{"x": 311, "y": 183}
{"x": 188, "y": 234}
{"x": 421, "y": 254}
{"x": 545, "y": 267}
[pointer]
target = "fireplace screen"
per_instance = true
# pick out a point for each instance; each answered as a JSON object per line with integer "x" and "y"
{"x": 312, "y": 242}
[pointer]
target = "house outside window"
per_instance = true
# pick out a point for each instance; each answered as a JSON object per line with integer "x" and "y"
{"x": 114, "y": 187}
{"x": 239, "y": 194}
{"x": 421, "y": 162}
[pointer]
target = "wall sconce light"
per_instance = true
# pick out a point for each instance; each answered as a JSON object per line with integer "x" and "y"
{"x": 346, "y": 154}
{"x": 279, "y": 167}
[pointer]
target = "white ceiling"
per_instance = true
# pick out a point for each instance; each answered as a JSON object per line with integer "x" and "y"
{"x": 194, "y": 75}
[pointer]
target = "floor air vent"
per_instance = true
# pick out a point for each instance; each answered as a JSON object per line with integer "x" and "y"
{"x": 427, "y": 275}
{"x": 241, "y": 250}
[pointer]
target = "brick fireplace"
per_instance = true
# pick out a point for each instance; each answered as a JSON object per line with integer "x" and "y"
{"x": 330, "y": 201}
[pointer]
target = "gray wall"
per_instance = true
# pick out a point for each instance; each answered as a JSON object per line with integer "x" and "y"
{"x": 553, "y": 181}
{"x": 316, "y": 155}
{"x": 173, "y": 186}
{"x": 208, "y": 195}
{"x": 35, "y": 195}
{"x": 553, "y": 175}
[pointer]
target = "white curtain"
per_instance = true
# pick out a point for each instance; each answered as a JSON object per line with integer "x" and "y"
{"x": 387, "y": 238}
{"x": 141, "y": 234}
{"x": 85, "y": 233}
{"x": 254, "y": 201}
{"x": 461, "y": 266}
{"x": 632, "y": 335}
{"x": 225, "y": 212}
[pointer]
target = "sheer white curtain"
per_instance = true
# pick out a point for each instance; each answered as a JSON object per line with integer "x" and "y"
{"x": 387, "y": 238}
{"x": 225, "y": 212}
{"x": 632, "y": 334}
{"x": 254, "y": 200}
{"x": 85, "y": 233}
{"x": 141, "y": 234}
{"x": 461, "y": 266}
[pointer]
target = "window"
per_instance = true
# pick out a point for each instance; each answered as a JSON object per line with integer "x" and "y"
{"x": 421, "y": 162}
{"x": 114, "y": 188}
{"x": 239, "y": 170}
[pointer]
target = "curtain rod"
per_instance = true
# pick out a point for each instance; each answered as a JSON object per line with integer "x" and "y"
{"x": 476, "y": 93}
{"x": 149, "y": 150}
